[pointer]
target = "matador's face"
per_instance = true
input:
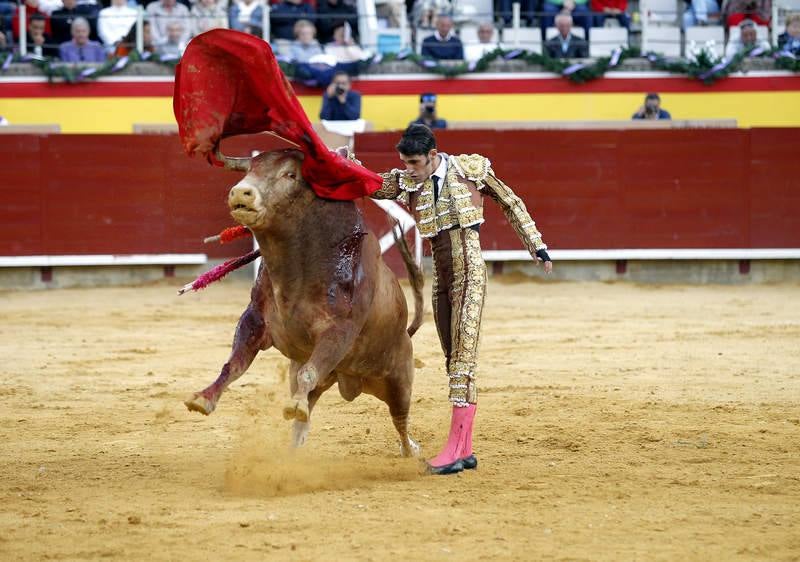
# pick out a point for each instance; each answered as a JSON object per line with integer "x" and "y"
{"x": 419, "y": 167}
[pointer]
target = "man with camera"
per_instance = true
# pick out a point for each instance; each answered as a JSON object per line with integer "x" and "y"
{"x": 340, "y": 102}
{"x": 652, "y": 109}
{"x": 427, "y": 113}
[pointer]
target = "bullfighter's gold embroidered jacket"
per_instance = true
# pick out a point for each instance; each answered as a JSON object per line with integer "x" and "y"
{"x": 459, "y": 203}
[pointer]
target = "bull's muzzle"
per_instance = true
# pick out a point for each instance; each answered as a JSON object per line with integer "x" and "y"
{"x": 243, "y": 203}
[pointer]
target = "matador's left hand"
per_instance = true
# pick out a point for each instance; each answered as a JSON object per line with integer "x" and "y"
{"x": 542, "y": 256}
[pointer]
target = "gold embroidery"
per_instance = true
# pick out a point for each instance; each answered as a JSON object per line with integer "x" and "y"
{"x": 466, "y": 296}
{"x": 515, "y": 212}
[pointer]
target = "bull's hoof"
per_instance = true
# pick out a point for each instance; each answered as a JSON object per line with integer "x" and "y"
{"x": 296, "y": 409}
{"x": 411, "y": 449}
{"x": 199, "y": 403}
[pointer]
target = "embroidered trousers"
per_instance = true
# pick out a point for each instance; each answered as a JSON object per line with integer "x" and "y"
{"x": 459, "y": 285}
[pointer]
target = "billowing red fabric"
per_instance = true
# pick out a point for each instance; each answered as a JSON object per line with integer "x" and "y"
{"x": 229, "y": 83}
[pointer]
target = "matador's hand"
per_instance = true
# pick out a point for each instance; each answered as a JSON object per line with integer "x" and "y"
{"x": 542, "y": 256}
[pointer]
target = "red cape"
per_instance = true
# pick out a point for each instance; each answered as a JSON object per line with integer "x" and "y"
{"x": 229, "y": 83}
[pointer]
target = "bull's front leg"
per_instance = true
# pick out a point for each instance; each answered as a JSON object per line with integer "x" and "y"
{"x": 331, "y": 347}
{"x": 252, "y": 335}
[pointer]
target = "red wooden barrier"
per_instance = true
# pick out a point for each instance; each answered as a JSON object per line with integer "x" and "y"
{"x": 124, "y": 194}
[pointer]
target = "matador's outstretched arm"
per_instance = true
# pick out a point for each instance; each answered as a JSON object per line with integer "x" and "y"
{"x": 518, "y": 216}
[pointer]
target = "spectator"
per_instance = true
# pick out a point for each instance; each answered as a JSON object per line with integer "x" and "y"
{"x": 115, "y": 22}
{"x": 32, "y": 8}
{"x": 747, "y": 43}
{"x": 343, "y": 48}
{"x": 604, "y": 9}
{"x": 566, "y": 45}
{"x": 174, "y": 45}
{"x": 527, "y": 11}
{"x": 331, "y": 14}
{"x": 81, "y": 48}
{"x": 39, "y": 42}
{"x": 6, "y": 15}
{"x": 578, "y": 9}
{"x": 305, "y": 44}
{"x": 340, "y": 102}
{"x": 283, "y": 16}
{"x": 485, "y": 44}
{"x": 61, "y": 20}
{"x": 393, "y": 12}
{"x": 443, "y": 44}
{"x": 208, "y": 14}
{"x": 425, "y": 11}
{"x": 734, "y": 11}
{"x": 163, "y": 12}
{"x": 701, "y": 12}
{"x": 789, "y": 41}
{"x": 651, "y": 109}
{"x": 128, "y": 43}
{"x": 427, "y": 113}
{"x": 247, "y": 16}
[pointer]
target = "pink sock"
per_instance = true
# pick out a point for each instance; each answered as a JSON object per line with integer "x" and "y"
{"x": 460, "y": 435}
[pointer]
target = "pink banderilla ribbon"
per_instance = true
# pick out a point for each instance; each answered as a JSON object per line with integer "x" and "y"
{"x": 218, "y": 272}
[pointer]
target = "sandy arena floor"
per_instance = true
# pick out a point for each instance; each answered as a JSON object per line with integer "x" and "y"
{"x": 616, "y": 422}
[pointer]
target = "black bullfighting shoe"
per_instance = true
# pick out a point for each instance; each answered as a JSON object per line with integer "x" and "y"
{"x": 451, "y": 468}
{"x": 470, "y": 462}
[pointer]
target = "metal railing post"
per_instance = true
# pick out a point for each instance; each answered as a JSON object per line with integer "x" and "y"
{"x": 265, "y": 29}
{"x": 515, "y": 22}
{"x": 23, "y": 30}
{"x": 140, "y": 29}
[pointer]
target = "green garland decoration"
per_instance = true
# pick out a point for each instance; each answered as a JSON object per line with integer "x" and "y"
{"x": 54, "y": 69}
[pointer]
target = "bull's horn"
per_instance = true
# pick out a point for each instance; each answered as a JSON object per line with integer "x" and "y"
{"x": 236, "y": 164}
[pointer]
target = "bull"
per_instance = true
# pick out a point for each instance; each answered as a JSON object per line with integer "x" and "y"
{"x": 323, "y": 297}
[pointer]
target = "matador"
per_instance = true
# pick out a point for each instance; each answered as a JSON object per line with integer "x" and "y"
{"x": 445, "y": 194}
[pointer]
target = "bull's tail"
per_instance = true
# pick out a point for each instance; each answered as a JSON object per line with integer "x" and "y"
{"x": 414, "y": 276}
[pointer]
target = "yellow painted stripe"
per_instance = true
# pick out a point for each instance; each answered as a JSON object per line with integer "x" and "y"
{"x": 118, "y": 115}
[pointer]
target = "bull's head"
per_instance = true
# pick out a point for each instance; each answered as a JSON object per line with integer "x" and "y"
{"x": 264, "y": 197}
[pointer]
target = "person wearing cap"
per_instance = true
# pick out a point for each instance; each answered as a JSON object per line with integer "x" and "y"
{"x": 427, "y": 113}
{"x": 445, "y": 193}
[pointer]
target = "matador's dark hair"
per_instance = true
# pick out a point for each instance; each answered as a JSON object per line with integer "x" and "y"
{"x": 418, "y": 139}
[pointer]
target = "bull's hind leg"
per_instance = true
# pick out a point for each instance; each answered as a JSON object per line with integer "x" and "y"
{"x": 395, "y": 391}
{"x": 252, "y": 336}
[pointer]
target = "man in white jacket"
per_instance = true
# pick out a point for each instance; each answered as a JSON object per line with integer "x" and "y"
{"x": 115, "y": 22}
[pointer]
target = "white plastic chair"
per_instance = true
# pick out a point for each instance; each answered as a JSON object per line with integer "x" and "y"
{"x": 603, "y": 40}
{"x": 664, "y": 40}
{"x": 528, "y": 38}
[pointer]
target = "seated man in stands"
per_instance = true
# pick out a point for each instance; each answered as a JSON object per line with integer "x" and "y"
{"x": 443, "y": 44}
{"x": 759, "y": 11}
{"x": 578, "y": 9}
{"x": 81, "y": 49}
{"x": 747, "y": 43}
{"x": 61, "y": 20}
{"x": 486, "y": 44}
{"x": 174, "y": 45}
{"x": 651, "y": 109}
{"x": 208, "y": 14}
{"x": 340, "y": 102}
{"x": 305, "y": 44}
{"x": 566, "y": 45}
{"x": 427, "y": 113}
{"x": 39, "y": 42}
{"x": 789, "y": 41}
{"x": 283, "y": 16}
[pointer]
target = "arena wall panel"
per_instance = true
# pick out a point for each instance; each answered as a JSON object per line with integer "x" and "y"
{"x": 661, "y": 189}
